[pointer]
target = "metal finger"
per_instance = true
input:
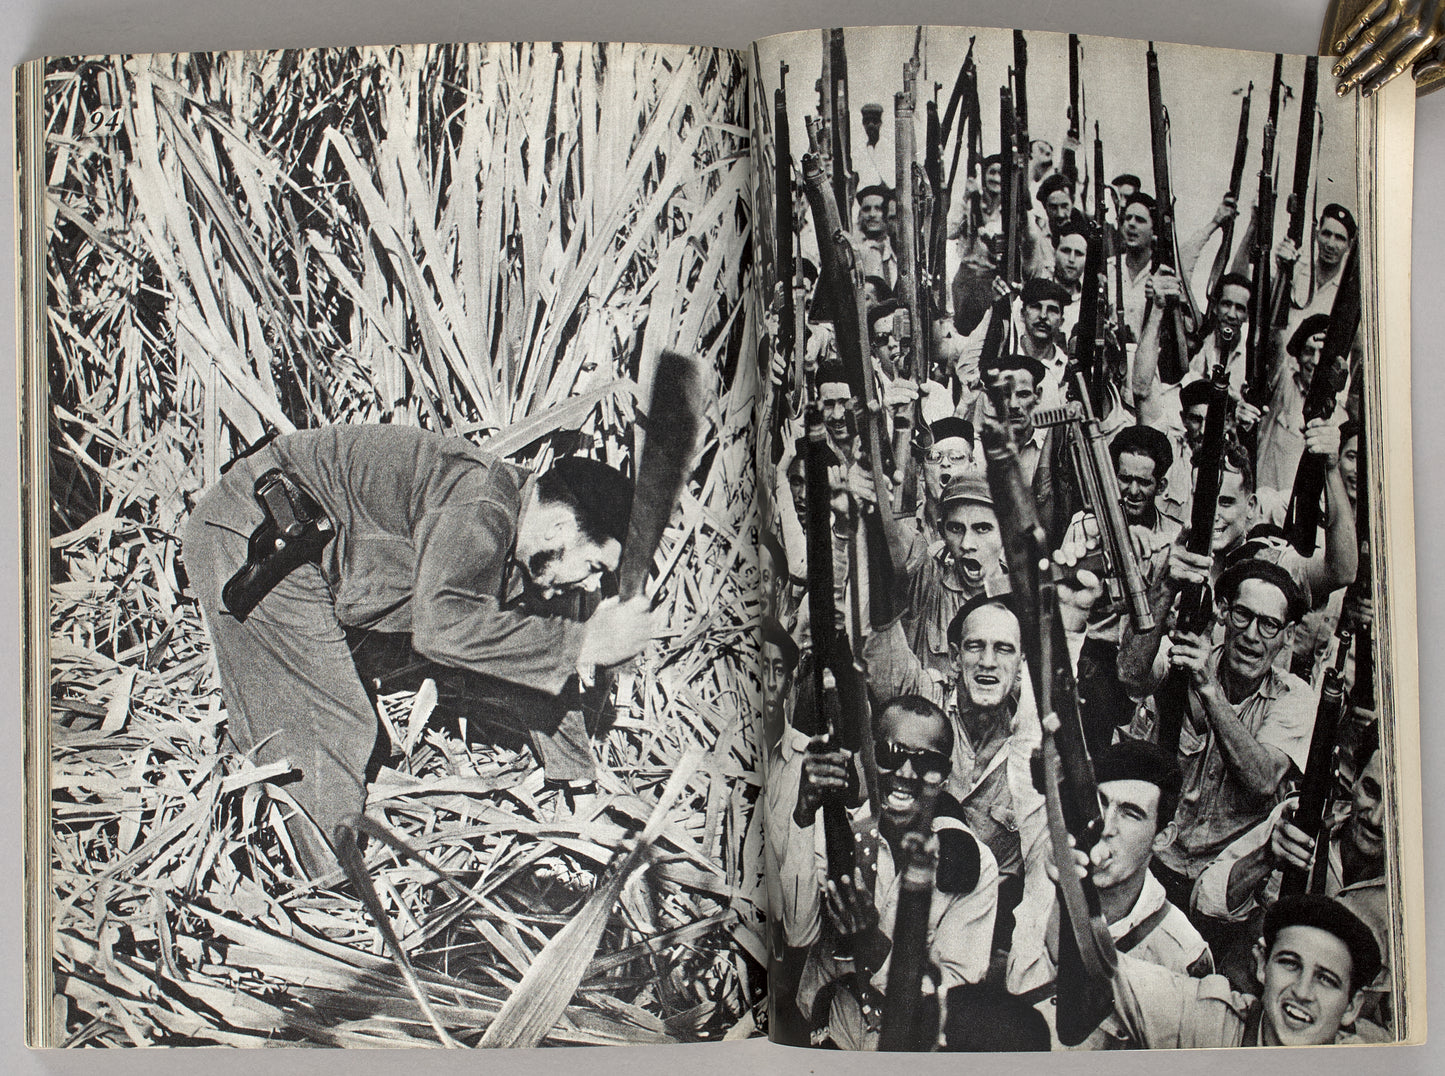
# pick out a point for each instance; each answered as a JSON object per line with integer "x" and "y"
{"x": 1364, "y": 56}
{"x": 1401, "y": 63}
{"x": 1406, "y": 51}
{"x": 1363, "y": 20}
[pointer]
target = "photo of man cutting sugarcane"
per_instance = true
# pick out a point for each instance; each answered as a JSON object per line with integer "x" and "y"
{"x": 402, "y": 585}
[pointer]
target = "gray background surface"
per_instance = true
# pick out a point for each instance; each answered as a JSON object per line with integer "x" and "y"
{"x": 37, "y": 28}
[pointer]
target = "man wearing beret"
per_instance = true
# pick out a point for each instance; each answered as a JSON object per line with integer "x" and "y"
{"x": 1282, "y": 427}
{"x": 1316, "y": 283}
{"x": 871, "y": 242}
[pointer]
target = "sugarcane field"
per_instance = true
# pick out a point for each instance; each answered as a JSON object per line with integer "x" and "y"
{"x": 502, "y": 244}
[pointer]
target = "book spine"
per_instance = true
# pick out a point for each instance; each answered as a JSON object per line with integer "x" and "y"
{"x": 33, "y": 410}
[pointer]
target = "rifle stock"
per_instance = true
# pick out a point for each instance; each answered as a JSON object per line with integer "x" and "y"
{"x": 903, "y": 1028}
{"x": 1236, "y": 177}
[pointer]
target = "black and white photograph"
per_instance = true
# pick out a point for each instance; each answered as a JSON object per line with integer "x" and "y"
{"x": 1073, "y": 648}
{"x": 402, "y": 586}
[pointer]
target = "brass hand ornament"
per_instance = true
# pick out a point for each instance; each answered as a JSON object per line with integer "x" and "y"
{"x": 1387, "y": 38}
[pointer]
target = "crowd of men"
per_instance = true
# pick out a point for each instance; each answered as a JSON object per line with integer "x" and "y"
{"x": 1186, "y": 861}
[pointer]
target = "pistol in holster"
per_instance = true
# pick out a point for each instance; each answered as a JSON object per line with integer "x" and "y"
{"x": 294, "y": 532}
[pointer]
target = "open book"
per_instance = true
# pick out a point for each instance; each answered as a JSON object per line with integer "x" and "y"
{"x": 899, "y": 539}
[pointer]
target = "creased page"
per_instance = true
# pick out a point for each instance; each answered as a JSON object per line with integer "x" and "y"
{"x": 401, "y": 573}
{"x": 1090, "y": 663}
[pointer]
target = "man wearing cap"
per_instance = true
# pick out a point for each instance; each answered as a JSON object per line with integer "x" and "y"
{"x": 1139, "y": 788}
{"x": 1038, "y": 317}
{"x": 1247, "y": 723}
{"x": 1314, "y": 289}
{"x": 468, "y": 554}
{"x": 871, "y": 242}
{"x": 874, "y": 163}
{"x": 967, "y": 562}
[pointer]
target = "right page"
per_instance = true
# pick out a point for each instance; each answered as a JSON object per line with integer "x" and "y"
{"x": 1088, "y": 633}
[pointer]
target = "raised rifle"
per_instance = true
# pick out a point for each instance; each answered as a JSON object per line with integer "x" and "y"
{"x": 832, "y": 660}
{"x": 1069, "y": 159}
{"x": 1236, "y": 177}
{"x": 1299, "y": 210}
{"x": 1086, "y": 952}
{"x": 1319, "y": 777}
{"x": 1302, "y": 518}
{"x": 1010, "y": 188}
{"x": 787, "y": 335}
{"x": 913, "y": 360}
{"x": 1258, "y": 338}
{"x": 1089, "y": 451}
{"x": 903, "y": 1025}
{"x": 844, "y": 181}
{"x": 1115, "y": 255}
{"x": 1196, "y": 600}
{"x": 1174, "y": 333}
{"x": 1277, "y": 89}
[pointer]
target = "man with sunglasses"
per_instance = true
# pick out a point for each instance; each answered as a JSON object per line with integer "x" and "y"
{"x": 995, "y": 731}
{"x": 850, "y": 933}
{"x": 491, "y": 570}
{"x": 1248, "y": 722}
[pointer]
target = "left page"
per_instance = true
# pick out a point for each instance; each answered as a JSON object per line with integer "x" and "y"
{"x": 394, "y": 441}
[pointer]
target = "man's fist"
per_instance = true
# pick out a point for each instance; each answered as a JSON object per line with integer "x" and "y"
{"x": 1322, "y": 438}
{"x": 618, "y": 632}
{"x": 826, "y": 770}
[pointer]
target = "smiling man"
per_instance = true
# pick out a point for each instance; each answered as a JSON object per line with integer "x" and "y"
{"x": 836, "y": 397}
{"x": 850, "y": 931}
{"x": 1246, "y": 877}
{"x": 1247, "y": 725}
{"x": 1314, "y": 960}
{"x": 467, "y": 554}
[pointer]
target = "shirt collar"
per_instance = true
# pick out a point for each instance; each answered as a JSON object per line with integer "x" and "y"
{"x": 1150, "y": 900}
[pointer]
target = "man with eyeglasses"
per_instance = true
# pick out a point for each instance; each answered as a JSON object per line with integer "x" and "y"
{"x": 1247, "y": 725}
{"x": 949, "y": 456}
{"x": 850, "y": 930}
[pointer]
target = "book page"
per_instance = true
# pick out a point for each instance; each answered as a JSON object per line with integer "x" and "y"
{"x": 393, "y": 593}
{"x": 1092, "y": 540}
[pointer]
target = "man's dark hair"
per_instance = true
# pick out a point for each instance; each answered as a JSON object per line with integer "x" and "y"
{"x": 1236, "y": 459}
{"x": 1194, "y": 394}
{"x": 1074, "y": 227}
{"x": 777, "y": 635}
{"x": 1127, "y": 179}
{"x": 1145, "y": 200}
{"x": 978, "y": 601}
{"x": 1143, "y": 441}
{"x": 880, "y": 287}
{"x": 1055, "y": 181}
{"x": 1315, "y": 323}
{"x": 1041, "y": 289}
{"x": 1266, "y": 572}
{"x": 833, "y": 372}
{"x": 1329, "y": 915}
{"x": 882, "y": 309}
{"x": 918, "y": 706}
{"x": 599, "y": 496}
{"x": 1236, "y": 280}
{"x": 1348, "y": 429}
{"x": 1140, "y": 760}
